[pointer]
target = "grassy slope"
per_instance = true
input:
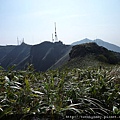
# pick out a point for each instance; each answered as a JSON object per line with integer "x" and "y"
{"x": 84, "y": 62}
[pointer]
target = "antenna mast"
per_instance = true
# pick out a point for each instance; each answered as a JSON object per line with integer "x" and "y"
{"x": 52, "y": 38}
{"x": 17, "y": 41}
{"x": 56, "y": 38}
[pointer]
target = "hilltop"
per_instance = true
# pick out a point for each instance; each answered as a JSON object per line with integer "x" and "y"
{"x": 90, "y": 54}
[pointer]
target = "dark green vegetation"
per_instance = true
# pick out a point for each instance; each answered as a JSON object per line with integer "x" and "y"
{"x": 70, "y": 91}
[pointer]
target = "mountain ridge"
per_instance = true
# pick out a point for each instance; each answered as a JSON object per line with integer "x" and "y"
{"x": 44, "y": 56}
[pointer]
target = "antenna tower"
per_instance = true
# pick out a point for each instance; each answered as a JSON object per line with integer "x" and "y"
{"x": 52, "y": 38}
{"x": 56, "y": 38}
{"x": 17, "y": 41}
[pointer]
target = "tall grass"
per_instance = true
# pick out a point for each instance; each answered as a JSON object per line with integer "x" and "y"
{"x": 70, "y": 91}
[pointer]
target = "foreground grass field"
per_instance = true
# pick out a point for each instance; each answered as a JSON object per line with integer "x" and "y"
{"x": 90, "y": 91}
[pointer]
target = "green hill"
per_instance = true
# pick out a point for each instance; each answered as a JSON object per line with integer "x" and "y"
{"x": 91, "y": 55}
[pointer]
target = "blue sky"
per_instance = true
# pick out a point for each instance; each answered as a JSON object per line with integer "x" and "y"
{"x": 34, "y": 20}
